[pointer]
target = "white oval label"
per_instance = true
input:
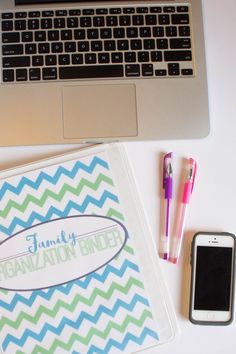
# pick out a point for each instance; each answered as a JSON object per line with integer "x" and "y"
{"x": 59, "y": 251}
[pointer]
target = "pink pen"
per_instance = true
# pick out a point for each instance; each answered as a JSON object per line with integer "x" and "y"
{"x": 167, "y": 186}
{"x": 188, "y": 188}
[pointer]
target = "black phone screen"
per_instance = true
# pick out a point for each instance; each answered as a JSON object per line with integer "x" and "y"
{"x": 213, "y": 278}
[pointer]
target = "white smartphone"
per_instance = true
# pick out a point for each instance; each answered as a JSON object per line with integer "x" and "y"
{"x": 212, "y": 278}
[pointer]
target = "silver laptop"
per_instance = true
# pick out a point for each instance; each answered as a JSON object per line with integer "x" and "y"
{"x": 101, "y": 71}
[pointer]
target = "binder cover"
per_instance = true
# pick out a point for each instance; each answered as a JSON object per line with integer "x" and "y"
{"x": 78, "y": 268}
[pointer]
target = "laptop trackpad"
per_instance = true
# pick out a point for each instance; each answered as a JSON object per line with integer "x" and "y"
{"x": 99, "y": 111}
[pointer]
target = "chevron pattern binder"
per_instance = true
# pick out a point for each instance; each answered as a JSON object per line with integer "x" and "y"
{"x": 78, "y": 271}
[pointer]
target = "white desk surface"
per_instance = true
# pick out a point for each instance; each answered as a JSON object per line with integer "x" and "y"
{"x": 213, "y": 201}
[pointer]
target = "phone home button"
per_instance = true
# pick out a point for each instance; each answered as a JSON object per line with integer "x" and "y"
{"x": 210, "y": 316}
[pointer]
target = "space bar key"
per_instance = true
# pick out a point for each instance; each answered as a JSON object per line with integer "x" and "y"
{"x": 89, "y": 72}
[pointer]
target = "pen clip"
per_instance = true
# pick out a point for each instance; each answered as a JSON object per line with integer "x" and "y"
{"x": 192, "y": 169}
{"x": 167, "y": 175}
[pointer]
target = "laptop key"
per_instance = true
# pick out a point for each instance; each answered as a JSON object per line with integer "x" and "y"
{"x": 162, "y": 43}
{"x": 93, "y": 71}
{"x": 179, "y": 19}
{"x": 8, "y": 75}
{"x": 132, "y": 32}
{"x": 79, "y": 34}
{"x": 37, "y": 60}
{"x": 16, "y": 62}
{"x": 117, "y": 57}
{"x": 59, "y": 22}
{"x": 70, "y": 47}
{"x": 11, "y": 37}
{"x": 45, "y": 48}
{"x": 49, "y": 73}
{"x": 106, "y": 33}
{"x": 50, "y": 60}
{"x": 173, "y": 72}
{"x": 129, "y": 10}
{"x": 119, "y": 32}
{"x": 21, "y": 75}
{"x": 48, "y": 13}
{"x": 156, "y": 56}
{"x": 168, "y": 9}
{"x": 83, "y": 46}
{"x": 46, "y": 23}
{"x": 109, "y": 45}
{"x": 99, "y": 21}
{"x": 142, "y": 10}
{"x": 136, "y": 44}
{"x": 115, "y": 10}
{"x": 149, "y": 44}
{"x": 92, "y": 33}
{"x": 171, "y": 31}
{"x": 21, "y": 14}
{"x": 27, "y": 36}
{"x": 85, "y": 22}
{"x": 111, "y": 21}
{"x": 34, "y": 14}
{"x": 161, "y": 72}
{"x": 64, "y": 59}
{"x": 124, "y": 21}
{"x": 7, "y": 15}
{"x": 143, "y": 57}
{"x": 104, "y": 58}
{"x": 7, "y": 25}
{"x": 164, "y": 19}
{"x": 184, "y": 31}
{"x": 77, "y": 59}
{"x": 40, "y": 36}
{"x": 187, "y": 72}
{"x": 178, "y": 55}
{"x": 179, "y": 43}
{"x": 138, "y": 20}
{"x": 12, "y": 49}
{"x": 151, "y": 20}
{"x": 61, "y": 13}
{"x": 66, "y": 35}
{"x": 88, "y": 12}
{"x": 123, "y": 44}
{"x": 72, "y": 22}
{"x": 53, "y": 35}
{"x": 173, "y": 69}
{"x": 30, "y": 48}
{"x": 101, "y": 11}
{"x": 155, "y": 9}
{"x": 130, "y": 57}
{"x": 158, "y": 31}
{"x": 75, "y": 12}
{"x": 20, "y": 25}
{"x": 145, "y": 32}
{"x": 96, "y": 46}
{"x": 33, "y": 24}
{"x": 182, "y": 8}
{"x": 132, "y": 70}
{"x": 90, "y": 58}
{"x": 147, "y": 69}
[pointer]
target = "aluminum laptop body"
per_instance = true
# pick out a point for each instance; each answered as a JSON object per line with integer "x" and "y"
{"x": 144, "y": 101}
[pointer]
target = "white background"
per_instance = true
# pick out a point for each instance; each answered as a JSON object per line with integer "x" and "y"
{"x": 212, "y": 206}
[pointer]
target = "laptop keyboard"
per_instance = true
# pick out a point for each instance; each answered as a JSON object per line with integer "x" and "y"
{"x": 96, "y": 43}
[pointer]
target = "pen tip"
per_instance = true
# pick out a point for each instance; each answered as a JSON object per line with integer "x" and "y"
{"x": 169, "y": 155}
{"x": 165, "y": 256}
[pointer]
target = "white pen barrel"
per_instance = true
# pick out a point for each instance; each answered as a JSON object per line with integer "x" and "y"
{"x": 166, "y": 232}
{"x": 178, "y": 234}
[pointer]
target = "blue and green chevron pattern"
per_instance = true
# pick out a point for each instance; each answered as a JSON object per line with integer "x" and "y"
{"x": 105, "y": 312}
